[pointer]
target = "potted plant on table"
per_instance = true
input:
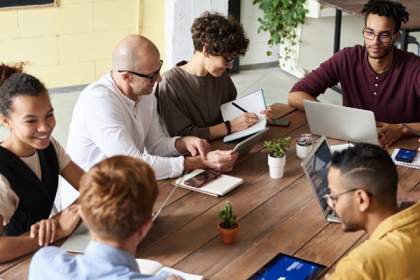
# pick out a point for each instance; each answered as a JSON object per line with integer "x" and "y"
{"x": 228, "y": 228}
{"x": 277, "y": 149}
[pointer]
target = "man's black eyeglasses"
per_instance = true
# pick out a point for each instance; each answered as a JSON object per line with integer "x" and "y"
{"x": 384, "y": 37}
{"x": 151, "y": 77}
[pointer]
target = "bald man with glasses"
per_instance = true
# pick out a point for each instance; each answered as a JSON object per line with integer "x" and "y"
{"x": 376, "y": 76}
{"x": 117, "y": 115}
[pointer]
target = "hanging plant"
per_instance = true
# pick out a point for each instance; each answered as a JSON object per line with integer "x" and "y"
{"x": 280, "y": 20}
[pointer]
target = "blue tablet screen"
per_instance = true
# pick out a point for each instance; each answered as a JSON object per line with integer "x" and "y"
{"x": 285, "y": 267}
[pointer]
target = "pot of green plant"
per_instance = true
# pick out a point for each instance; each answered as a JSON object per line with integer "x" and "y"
{"x": 228, "y": 228}
{"x": 277, "y": 149}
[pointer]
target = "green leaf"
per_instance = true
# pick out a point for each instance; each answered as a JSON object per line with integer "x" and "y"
{"x": 277, "y": 147}
{"x": 280, "y": 19}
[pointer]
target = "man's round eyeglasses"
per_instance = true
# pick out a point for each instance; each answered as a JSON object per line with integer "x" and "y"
{"x": 151, "y": 77}
{"x": 384, "y": 37}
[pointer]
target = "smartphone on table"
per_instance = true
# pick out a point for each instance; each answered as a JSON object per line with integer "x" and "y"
{"x": 280, "y": 122}
{"x": 201, "y": 178}
{"x": 406, "y": 155}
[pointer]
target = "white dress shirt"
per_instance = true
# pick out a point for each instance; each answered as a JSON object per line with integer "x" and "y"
{"x": 106, "y": 123}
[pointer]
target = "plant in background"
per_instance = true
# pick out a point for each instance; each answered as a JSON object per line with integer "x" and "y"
{"x": 227, "y": 217}
{"x": 280, "y": 20}
{"x": 277, "y": 147}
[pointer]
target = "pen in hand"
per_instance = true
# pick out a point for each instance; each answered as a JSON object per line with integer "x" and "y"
{"x": 239, "y": 107}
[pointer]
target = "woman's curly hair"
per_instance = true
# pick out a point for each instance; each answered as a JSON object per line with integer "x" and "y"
{"x": 218, "y": 35}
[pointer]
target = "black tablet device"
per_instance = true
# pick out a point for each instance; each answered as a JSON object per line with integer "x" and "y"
{"x": 286, "y": 267}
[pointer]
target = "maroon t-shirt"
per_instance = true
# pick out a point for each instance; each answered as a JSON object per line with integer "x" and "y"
{"x": 394, "y": 96}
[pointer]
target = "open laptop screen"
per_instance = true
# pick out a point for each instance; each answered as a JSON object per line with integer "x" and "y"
{"x": 316, "y": 167}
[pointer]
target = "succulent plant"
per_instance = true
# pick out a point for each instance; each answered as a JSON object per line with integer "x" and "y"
{"x": 227, "y": 216}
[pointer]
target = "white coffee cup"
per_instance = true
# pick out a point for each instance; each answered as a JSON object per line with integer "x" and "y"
{"x": 303, "y": 151}
{"x": 303, "y": 145}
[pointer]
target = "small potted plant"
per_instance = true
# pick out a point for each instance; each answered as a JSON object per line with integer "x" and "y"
{"x": 228, "y": 228}
{"x": 277, "y": 155}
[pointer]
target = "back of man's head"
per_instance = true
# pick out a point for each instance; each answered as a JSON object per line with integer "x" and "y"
{"x": 390, "y": 9}
{"x": 369, "y": 167}
{"x": 117, "y": 197}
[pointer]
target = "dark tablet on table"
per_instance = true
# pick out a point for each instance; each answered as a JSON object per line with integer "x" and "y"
{"x": 284, "y": 267}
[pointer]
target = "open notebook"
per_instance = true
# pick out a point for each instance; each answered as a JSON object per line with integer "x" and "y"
{"x": 253, "y": 103}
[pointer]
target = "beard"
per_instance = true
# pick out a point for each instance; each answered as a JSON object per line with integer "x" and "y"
{"x": 348, "y": 222}
{"x": 383, "y": 51}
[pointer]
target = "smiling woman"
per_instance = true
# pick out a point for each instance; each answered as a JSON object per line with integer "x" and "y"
{"x": 31, "y": 161}
{"x": 20, "y": 3}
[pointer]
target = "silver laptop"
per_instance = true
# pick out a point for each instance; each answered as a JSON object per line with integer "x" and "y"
{"x": 315, "y": 167}
{"x": 340, "y": 122}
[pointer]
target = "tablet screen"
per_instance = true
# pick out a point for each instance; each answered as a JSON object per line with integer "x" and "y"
{"x": 288, "y": 267}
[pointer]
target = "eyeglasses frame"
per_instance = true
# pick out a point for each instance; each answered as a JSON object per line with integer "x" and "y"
{"x": 150, "y": 77}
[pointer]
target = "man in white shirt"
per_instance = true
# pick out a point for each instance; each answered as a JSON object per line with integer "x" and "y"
{"x": 117, "y": 115}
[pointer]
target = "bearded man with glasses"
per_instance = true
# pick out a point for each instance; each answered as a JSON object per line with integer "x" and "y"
{"x": 363, "y": 192}
{"x": 376, "y": 76}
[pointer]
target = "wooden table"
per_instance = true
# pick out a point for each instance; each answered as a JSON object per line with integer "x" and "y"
{"x": 275, "y": 215}
{"x": 354, "y": 7}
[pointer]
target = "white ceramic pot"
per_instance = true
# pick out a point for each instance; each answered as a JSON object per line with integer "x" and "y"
{"x": 303, "y": 151}
{"x": 276, "y": 166}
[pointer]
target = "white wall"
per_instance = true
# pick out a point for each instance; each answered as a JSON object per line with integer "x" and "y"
{"x": 257, "y": 41}
{"x": 317, "y": 38}
{"x": 317, "y": 35}
{"x": 179, "y": 16}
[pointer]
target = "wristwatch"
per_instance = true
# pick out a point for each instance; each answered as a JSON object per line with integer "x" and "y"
{"x": 228, "y": 127}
